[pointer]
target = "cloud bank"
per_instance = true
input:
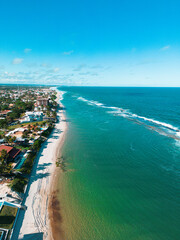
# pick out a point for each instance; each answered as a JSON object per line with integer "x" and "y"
{"x": 17, "y": 60}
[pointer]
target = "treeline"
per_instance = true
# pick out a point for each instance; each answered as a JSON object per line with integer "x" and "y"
{"x": 3, "y": 123}
{"x": 19, "y": 108}
{"x": 16, "y": 111}
{"x": 5, "y": 165}
{"x": 47, "y": 132}
{"x": 28, "y": 164}
{"x": 19, "y": 183}
{"x": 5, "y": 101}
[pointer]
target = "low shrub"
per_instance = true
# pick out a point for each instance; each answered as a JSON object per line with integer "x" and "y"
{"x": 47, "y": 132}
{"x": 18, "y": 184}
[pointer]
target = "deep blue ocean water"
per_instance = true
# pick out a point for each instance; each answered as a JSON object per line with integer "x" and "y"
{"x": 122, "y": 153}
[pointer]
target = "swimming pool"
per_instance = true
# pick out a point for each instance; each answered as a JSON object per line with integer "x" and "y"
{"x": 20, "y": 163}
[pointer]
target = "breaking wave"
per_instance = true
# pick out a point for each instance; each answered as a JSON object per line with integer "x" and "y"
{"x": 90, "y": 102}
{"x": 161, "y": 127}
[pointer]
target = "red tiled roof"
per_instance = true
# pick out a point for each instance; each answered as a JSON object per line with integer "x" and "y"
{"x": 7, "y": 148}
{"x": 13, "y": 152}
{"x": 5, "y": 112}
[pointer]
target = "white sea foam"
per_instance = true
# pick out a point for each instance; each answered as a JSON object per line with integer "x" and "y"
{"x": 178, "y": 134}
{"x": 62, "y": 95}
{"x": 166, "y": 125}
{"x": 177, "y": 143}
{"x": 83, "y": 99}
{"x": 90, "y": 102}
{"x": 127, "y": 114}
{"x": 57, "y": 90}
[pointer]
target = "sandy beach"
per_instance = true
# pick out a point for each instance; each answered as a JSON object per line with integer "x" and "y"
{"x": 40, "y": 196}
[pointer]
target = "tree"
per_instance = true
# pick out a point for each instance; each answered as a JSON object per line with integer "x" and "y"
{"x": 29, "y": 127}
{"x": 3, "y": 123}
{"x": 25, "y": 134}
{"x": 2, "y": 135}
{"x": 3, "y": 156}
{"x": 48, "y": 113}
{"x": 4, "y": 107}
{"x": 7, "y": 139}
{"x": 4, "y": 166}
{"x": 53, "y": 97}
{"x": 54, "y": 114}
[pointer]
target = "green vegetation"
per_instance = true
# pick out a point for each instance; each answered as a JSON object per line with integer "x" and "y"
{"x": 40, "y": 123}
{"x": 16, "y": 102}
{"x": 3, "y": 124}
{"x": 28, "y": 164}
{"x": 7, "y": 217}
{"x": 22, "y": 147}
{"x": 9, "y": 139}
{"x": 19, "y": 108}
{"x": 47, "y": 132}
{"x": 53, "y": 97}
{"x": 5, "y": 166}
{"x": 18, "y": 184}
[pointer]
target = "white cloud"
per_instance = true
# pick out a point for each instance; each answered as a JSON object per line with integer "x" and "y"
{"x": 68, "y": 53}
{"x": 165, "y": 48}
{"x": 27, "y": 50}
{"x": 17, "y": 60}
{"x": 10, "y": 74}
{"x": 56, "y": 69}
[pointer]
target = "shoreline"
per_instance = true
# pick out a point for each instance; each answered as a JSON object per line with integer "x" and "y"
{"x": 55, "y": 218}
{"x": 40, "y": 197}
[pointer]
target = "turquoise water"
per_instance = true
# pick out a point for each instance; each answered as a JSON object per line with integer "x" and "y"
{"x": 20, "y": 163}
{"x": 122, "y": 157}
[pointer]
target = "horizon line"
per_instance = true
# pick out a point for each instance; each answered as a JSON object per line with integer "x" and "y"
{"x": 58, "y": 85}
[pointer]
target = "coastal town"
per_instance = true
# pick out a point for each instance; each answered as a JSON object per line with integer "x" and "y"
{"x": 27, "y": 117}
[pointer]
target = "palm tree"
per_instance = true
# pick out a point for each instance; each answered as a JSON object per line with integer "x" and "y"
{"x": 4, "y": 163}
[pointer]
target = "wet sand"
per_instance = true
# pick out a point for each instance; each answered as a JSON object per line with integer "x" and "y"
{"x": 54, "y": 208}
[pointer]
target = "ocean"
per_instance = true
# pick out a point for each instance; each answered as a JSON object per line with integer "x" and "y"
{"x": 122, "y": 155}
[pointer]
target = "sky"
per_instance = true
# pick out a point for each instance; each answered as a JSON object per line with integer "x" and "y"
{"x": 90, "y": 43}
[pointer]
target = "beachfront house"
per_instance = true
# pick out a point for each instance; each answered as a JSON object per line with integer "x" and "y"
{"x": 18, "y": 134}
{"x": 4, "y": 113}
{"x": 13, "y": 153}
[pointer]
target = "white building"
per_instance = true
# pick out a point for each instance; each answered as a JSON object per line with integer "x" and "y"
{"x": 32, "y": 116}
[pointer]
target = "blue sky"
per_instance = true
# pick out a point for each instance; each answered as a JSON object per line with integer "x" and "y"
{"x": 108, "y": 43}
